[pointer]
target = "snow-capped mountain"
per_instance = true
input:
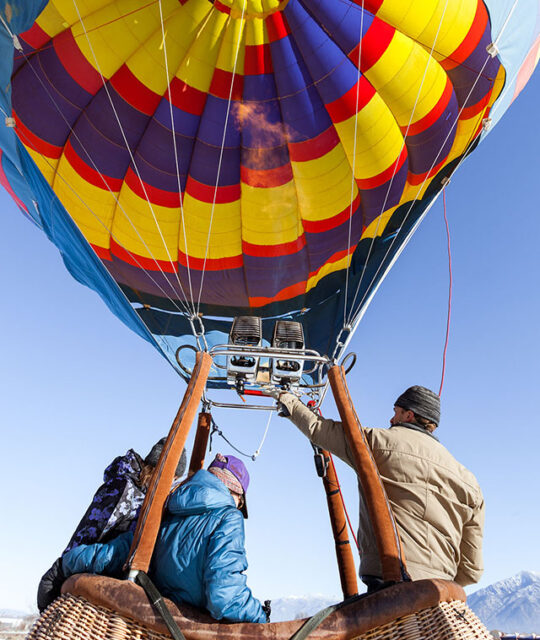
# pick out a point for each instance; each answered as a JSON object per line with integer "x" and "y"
{"x": 511, "y": 605}
{"x": 294, "y": 607}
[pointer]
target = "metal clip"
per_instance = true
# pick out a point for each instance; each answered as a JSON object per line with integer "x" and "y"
{"x": 492, "y": 49}
{"x": 445, "y": 181}
{"x": 16, "y": 42}
{"x": 198, "y": 332}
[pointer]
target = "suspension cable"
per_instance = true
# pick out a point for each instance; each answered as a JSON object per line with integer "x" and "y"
{"x": 395, "y": 168}
{"x": 128, "y": 149}
{"x": 240, "y": 34}
{"x": 253, "y": 456}
{"x": 57, "y": 173}
{"x": 449, "y": 292}
{"x": 176, "y": 159}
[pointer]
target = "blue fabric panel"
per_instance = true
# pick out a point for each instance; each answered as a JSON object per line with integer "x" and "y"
{"x": 42, "y": 205}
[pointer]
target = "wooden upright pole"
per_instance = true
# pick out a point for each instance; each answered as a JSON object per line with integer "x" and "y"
{"x": 149, "y": 520}
{"x": 198, "y": 454}
{"x": 344, "y": 555}
{"x": 380, "y": 512}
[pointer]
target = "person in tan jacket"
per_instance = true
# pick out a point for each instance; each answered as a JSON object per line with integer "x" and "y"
{"x": 437, "y": 502}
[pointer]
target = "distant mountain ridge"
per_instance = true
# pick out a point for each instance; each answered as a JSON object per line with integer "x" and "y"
{"x": 511, "y": 605}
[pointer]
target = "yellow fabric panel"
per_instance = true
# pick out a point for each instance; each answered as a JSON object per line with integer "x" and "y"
{"x": 256, "y": 32}
{"x": 499, "y": 84}
{"x": 253, "y": 8}
{"x": 225, "y": 234}
{"x": 424, "y": 20}
{"x": 116, "y": 31}
{"x": 64, "y": 13}
{"x": 379, "y": 140}
{"x": 47, "y": 166}
{"x": 52, "y": 21}
{"x": 324, "y": 185}
{"x": 91, "y": 208}
{"x": 377, "y": 226}
{"x": 270, "y": 215}
{"x": 232, "y": 47}
{"x": 407, "y": 79}
{"x": 197, "y": 68}
{"x": 329, "y": 267}
{"x": 146, "y": 218}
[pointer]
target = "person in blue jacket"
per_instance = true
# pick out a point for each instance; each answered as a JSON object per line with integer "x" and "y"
{"x": 200, "y": 555}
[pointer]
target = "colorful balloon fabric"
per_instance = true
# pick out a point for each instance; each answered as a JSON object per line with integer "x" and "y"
{"x": 268, "y": 157}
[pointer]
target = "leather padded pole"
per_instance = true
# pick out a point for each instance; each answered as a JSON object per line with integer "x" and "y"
{"x": 379, "y": 510}
{"x": 149, "y": 520}
{"x": 345, "y": 560}
{"x": 198, "y": 454}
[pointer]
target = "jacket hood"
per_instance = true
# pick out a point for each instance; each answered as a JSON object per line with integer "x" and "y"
{"x": 127, "y": 466}
{"x": 202, "y": 492}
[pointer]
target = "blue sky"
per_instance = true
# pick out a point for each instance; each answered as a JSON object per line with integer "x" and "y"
{"x": 78, "y": 388}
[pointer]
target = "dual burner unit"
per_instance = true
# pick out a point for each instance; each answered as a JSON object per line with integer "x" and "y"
{"x": 246, "y": 342}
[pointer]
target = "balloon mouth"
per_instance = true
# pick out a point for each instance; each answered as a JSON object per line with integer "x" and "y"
{"x": 248, "y": 8}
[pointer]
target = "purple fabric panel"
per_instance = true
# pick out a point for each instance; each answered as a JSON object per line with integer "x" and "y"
{"x": 99, "y": 135}
{"x": 304, "y": 115}
{"x": 259, "y": 88}
{"x": 43, "y": 110}
{"x": 99, "y": 153}
{"x": 205, "y": 162}
{"x": 342, "y": 21}
{"x": 323, "y": 245}
{"x": 375, "y": 201}
{"x": 157, "y": 151}
{"x": 331, "y": 70}
{"x": 219, "y": 287}
{"x": 60, "y": 78}
{"x": 186, "y": 124}
{"x": 213, "y": 123}
{"x": 430, "y": 147}
{"x": 301, "y": 106}
{"x": 465, "y": 78}
{"x": 267, "y": 276}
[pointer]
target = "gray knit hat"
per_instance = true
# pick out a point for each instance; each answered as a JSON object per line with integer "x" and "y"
{"x": 153, "y": 457}
{"x": 422, "y": 402}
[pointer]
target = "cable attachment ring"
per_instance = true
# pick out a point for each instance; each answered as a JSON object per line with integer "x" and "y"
{"x": 197, "y": 327}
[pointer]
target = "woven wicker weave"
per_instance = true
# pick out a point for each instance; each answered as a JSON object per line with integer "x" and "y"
{"x": 74, "y": 618}
{"x": 447, "y": 621}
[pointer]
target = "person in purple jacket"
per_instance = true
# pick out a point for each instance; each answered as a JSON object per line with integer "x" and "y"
{"x": 200, "y": 556}
{"x": 114, "y": 509}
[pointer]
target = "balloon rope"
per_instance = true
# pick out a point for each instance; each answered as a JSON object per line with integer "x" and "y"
{"x": 134, "y": 164}
{"x": 449, "y": 292}
{"x": 240, "y": 33}
{"x": 176, "y": 161}
{"x": 395, "y": 169}
{"x": 57, "y": 174}
{"x": 343, "y": 502}
{"x": 396, "y": 234}
{"x": 353, "y": 180}
{"x": 253, "y": 456}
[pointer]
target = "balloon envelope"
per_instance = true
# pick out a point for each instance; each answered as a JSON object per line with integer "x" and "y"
{"x": 265, "y": 157}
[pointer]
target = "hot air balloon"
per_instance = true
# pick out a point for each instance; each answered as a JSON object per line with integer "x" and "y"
{"x": 232, "y": 175}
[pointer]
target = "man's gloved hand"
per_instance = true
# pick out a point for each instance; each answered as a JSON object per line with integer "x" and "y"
{"x": 50, "y": 585}
{"x": 271, "y": 391}
{"x": 267, "y": 609}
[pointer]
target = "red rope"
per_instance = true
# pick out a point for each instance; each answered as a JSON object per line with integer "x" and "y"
{"x": 343, "y": 502}
{"x": 449, "y": 294}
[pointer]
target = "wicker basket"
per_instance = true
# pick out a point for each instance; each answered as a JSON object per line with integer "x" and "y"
{"x": 74, "y": 618}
